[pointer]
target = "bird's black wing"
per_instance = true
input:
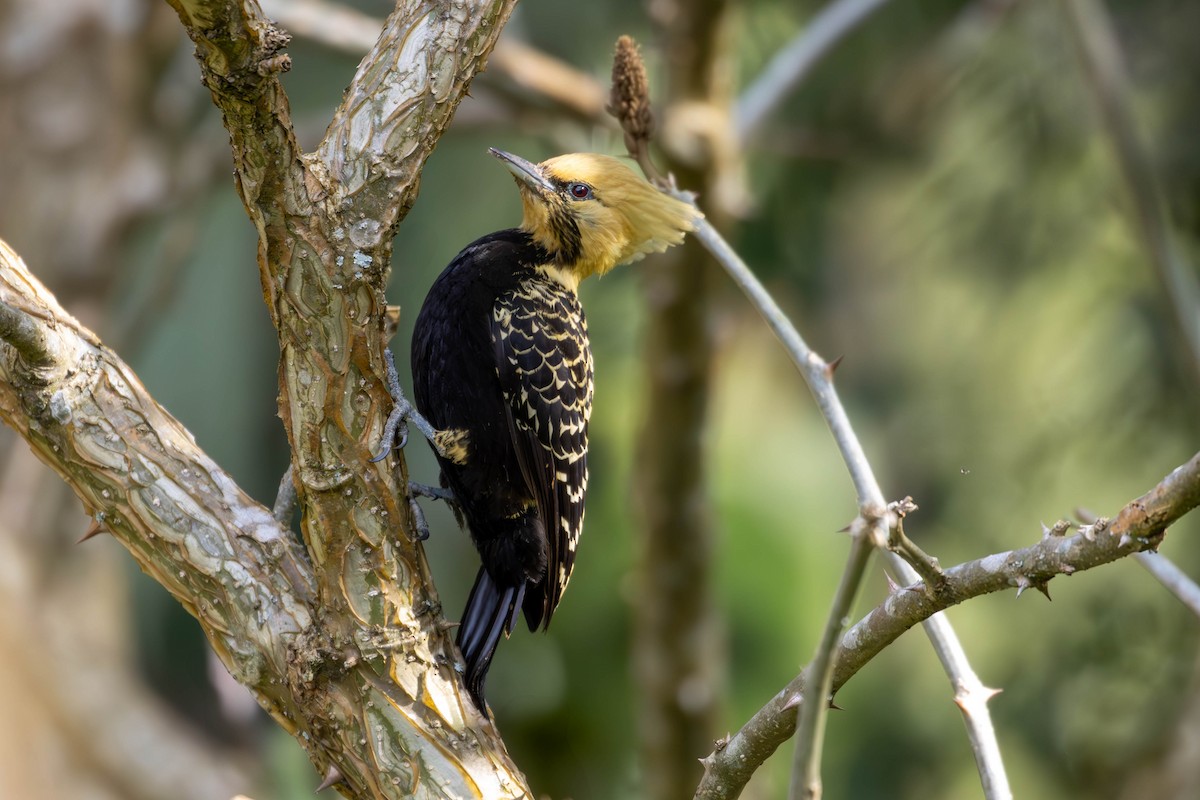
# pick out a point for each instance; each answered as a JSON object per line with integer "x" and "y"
{"x": 544, "y": 364}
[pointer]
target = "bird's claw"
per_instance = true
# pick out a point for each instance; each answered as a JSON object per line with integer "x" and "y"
{"x": 416, "y": 490}
{"x": 395, "y": 430}
{"x": 419, "y": 523}
{"x": 432, "y": 492}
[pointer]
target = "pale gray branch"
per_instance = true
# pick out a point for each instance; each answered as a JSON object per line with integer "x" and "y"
{"x": 970, "y": 694}
{"x": 868, "y": 530}
{"x": 1172, "y": 577}
{"x": 1140, "y": 525}
{"x": 818, "y": 375}
{"x": 791, "y": 65}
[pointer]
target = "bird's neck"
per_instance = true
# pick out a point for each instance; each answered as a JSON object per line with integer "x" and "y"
{"x": 574, "y": 251}
{"x": 565, "y": 277}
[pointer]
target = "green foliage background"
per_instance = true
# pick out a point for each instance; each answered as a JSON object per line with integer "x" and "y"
{"x": 944, "y": 213}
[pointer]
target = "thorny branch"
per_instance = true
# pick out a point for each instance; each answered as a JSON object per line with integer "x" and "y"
{"x": 818, "y": 375}
{"x": 1139, "y": 526}
{"x": 898, "y": 543}
{"x": 324, "y": 222}
{"x": 631, "y": 105}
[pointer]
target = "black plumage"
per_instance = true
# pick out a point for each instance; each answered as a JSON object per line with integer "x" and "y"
{"x": 503, "y": 369}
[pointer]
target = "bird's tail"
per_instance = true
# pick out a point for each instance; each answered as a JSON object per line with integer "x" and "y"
{"x": 491, "y": 611}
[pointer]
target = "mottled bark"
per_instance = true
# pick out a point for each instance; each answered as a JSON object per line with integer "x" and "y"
{"x": 342, "y": 640}
{"x": 85, "y": 160}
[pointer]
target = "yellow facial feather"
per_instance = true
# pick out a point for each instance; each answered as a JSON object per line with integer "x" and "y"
{"x": 624, "y": 218}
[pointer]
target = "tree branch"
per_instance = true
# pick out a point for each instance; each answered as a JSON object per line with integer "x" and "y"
{"x": 354, "y": 32}
{"x": 138, "y": 471}
{"x": 1173, "y": 578}
{"x": 873, "y": 521}
{"x": 365, "y": 677}
{"x": 401, "y": 100}
{"x": 369, "y": 698}
{"x": 1139, "y": 526}
{"x": 818, "y": 375}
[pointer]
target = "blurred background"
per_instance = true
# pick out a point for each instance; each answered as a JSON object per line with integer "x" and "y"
{"x": 938, "y": 203}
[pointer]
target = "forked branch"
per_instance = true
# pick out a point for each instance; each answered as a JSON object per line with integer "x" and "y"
{"x": 1139, "y": 526}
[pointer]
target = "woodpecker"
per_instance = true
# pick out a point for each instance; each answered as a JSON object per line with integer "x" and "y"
{"x": 502, "y": 370}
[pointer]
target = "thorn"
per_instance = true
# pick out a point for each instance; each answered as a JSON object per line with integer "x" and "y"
{"x": 95, "y": 528}
{"x": 834, "y": 706}
{"x": 793, "y": 702}
{"x": 1125, "y": 541}
{"x": 1024, "y": 583}
{"x": 1059, "y": 528}
{"x": 447, "y": 625}
{"x": 893, "y": 587}
{"x": 832, "y": 366}
{"x": 846, "y": 529}
{"x": 332, "y": 775}
{"x": 1090, "y": 530}
{"x": 963, "y": 696}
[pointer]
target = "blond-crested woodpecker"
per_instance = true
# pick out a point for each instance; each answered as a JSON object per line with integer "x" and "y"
{"x": 502, "y": 369}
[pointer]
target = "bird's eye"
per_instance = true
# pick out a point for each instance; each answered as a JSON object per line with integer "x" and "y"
{"x": 580, "y": 191}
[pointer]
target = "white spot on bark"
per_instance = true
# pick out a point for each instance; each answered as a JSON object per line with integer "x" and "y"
{"x": 60, "y": 409}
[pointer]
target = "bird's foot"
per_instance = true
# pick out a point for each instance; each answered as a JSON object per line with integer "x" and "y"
{"x": 416, "y": 490}
{"x": 395, "y": 430}
{"x": 432, "y": 492}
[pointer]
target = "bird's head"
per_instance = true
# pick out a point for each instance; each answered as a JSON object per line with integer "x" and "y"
{"x": 591, "y": 212}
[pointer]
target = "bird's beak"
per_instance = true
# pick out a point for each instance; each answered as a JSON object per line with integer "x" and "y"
{"x": 527, "y": 173}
